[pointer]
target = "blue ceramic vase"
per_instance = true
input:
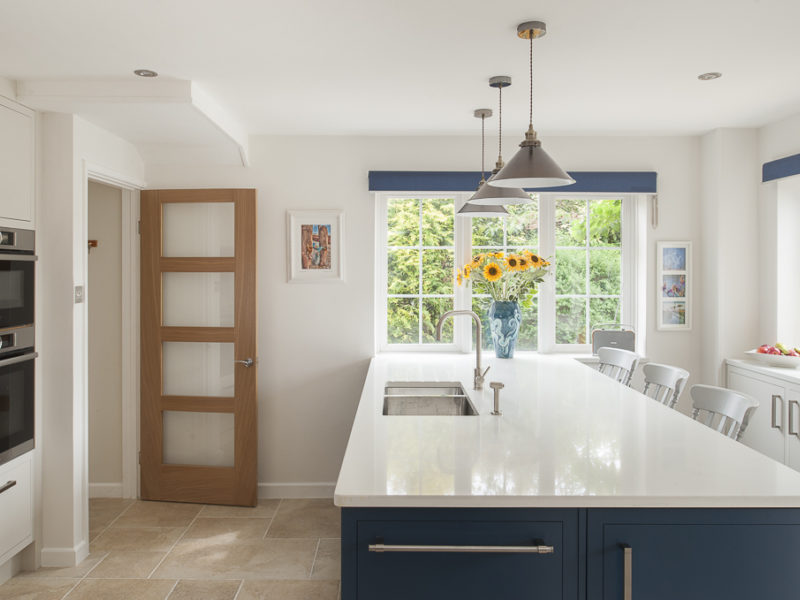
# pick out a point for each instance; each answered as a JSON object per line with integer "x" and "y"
{"x": 504, "y": 321}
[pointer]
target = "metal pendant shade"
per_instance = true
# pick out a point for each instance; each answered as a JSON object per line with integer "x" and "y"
{"x": 477, "y": 210}
{"x": 531, "y": 166}
{"x": 487, "y": 194}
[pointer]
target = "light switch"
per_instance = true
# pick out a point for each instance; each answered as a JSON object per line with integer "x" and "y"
{"x": 78, "y": 294}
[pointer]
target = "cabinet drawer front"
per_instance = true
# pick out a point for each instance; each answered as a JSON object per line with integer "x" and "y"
{"x": 731, "y": 561}
{"x": 16, "y": 522}
{"x": 458, "y": 575}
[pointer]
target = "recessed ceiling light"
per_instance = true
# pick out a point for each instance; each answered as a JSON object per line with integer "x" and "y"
{"x": 145, "y": 73}
{"x": 709, "y": 76}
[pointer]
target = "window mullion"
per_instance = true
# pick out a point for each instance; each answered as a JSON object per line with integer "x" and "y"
{"x": 419, "y": 275}
{"x": 587, "y": 326}
{"x": 547, "y": 303}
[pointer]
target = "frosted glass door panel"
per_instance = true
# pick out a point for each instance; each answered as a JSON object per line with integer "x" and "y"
{"x": 197, "y": 438}
{"x": 197, "y": 229}
{"x": 198, "y": 369}
{"x": 198, "y": 299}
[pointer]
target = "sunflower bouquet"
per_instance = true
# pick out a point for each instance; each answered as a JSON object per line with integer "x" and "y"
{"x": 505, "y": 277}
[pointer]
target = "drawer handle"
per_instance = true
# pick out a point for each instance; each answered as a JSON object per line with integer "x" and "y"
{"x": 776, "y": 398}
{"x": 462, "y": 549}
{"x": 792, "y": 429}
{"x": 627, "y": 572}
{"x": 7, "y": 486}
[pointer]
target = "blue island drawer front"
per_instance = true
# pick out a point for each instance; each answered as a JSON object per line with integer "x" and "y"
{"x": 461, "y": 576}
{"x": 701, "y": 554}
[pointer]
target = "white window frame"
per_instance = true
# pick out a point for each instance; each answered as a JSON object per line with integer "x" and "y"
{"x": 633, "y": 276}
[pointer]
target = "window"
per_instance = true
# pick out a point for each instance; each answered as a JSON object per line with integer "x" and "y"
{"x": 591, "y": 237}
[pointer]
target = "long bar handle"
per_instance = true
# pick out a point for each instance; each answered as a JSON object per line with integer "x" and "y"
{"x": 792, "y": 428}
{"x": 8, "y": 486}
{"x": 18, "y": 359}
{"x": 775, "y": 398}
{"x": 627, "y": 572}
{"x": 247, "y": 362}
{"x": 462, "y": 549}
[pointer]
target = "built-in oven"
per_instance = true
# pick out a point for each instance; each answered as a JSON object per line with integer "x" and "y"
{"x": 17, "y": 262}
{"x": 17, "y": 359}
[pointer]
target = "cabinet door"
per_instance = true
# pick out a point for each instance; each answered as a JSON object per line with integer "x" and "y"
{"x": 793, "y": 428}
{"x": 16, "y": 510}
{"x": 460, "y": 575}
{"x": 688, "y": 554}
{"x": 16, "y": 164}
{"x": 767, "y": 426}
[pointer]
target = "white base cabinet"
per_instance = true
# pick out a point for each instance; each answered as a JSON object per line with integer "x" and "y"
{"x": 16, "y": 506}
{"x": 774, "y": 428}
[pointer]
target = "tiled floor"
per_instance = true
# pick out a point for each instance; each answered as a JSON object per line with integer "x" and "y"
{"x": 279, "y": 550}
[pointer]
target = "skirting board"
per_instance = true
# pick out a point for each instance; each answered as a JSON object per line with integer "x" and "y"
{"x": 296, "y": 490}
{"x": 105, "y": 490}
{"x": 64, "y": 557}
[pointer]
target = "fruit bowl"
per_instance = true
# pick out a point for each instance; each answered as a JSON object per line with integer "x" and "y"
{"x": 775, "y": 360}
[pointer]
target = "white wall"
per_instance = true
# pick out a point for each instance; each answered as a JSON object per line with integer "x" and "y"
{"x": 104, "y": 301}
{"x": 315, "y": 341}
{"x": 729, "y": 255}
{"x": 70, "y": 146}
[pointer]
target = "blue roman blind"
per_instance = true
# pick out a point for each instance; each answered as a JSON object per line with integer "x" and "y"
{"x": 616, "y": 182}
{"x": 783, "y": 167}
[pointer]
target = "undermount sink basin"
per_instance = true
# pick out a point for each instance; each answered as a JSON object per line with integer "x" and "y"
{"x": 424, "y": 398}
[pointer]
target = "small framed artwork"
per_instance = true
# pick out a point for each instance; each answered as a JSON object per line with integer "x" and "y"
{"x": 316, "y": 250}
{"x": 674, "y": 309}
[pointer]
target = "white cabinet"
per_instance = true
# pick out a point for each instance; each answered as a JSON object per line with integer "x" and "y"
{"x": 17, "y": 164}
{"x": 16, "y": 506}
{"x": 774, "y": 428}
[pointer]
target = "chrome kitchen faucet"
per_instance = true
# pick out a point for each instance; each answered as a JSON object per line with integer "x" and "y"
{"x": 478, "y": 375}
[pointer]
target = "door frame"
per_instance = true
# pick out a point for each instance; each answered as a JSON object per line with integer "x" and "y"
{"x": 129, "y": 325}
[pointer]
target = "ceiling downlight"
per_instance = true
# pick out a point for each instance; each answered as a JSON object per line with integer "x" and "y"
{"x": 145, "y": 73}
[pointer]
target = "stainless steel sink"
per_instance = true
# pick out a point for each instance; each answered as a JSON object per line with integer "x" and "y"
{"x": 425, "y": 398}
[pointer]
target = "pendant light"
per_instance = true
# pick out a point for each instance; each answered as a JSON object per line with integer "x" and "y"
{"x": 474, "y": 210}
{"x": 487, "y": 193}
{"x": 531, "y": 166}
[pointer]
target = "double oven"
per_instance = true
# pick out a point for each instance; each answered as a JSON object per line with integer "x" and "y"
{"x": 17, "y": 350}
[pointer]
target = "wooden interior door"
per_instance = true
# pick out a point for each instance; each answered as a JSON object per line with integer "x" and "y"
{"x": 198, "y": 341}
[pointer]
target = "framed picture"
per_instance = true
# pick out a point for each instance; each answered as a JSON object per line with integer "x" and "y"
{"x": 316, "y": 250}
{"x": 674, "y": 282}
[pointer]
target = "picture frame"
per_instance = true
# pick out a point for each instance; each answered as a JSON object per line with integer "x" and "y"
{"x": 674, "y": 286}
{"x": 315, "y": 246}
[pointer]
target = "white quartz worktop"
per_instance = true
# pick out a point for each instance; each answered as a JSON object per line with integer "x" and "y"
{"x": 791, "y": 376}
{"x": 568, "y": 437}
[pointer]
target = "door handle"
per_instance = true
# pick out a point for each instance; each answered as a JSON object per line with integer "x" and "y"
{"x": 792, "y": 428}
{"x": 247, "y": 362}
{"x": 627, "y": 572}
{"x": 7, "y": 486}
{"x": 776, "y": 397}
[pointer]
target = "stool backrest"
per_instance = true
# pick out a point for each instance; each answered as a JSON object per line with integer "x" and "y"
{"x": 725, "y": 410}
{"x": 664, "y": 383}
{"x": 617, "y": 363}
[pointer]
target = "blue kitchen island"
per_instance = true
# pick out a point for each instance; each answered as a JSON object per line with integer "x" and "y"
{"x": 581, "y": 489}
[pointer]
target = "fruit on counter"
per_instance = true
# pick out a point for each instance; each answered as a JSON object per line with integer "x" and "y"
{"x": 778, "y": 349}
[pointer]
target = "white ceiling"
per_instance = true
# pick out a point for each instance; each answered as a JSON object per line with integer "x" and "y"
{"x": 421, "y": 66}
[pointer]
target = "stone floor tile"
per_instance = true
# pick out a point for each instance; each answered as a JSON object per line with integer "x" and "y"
{"x": 127, "y": 564}
{"x": 328, "y": 563}
{"x": 122, "y": 589}
{"x": 315, "y": 518}
{"x": 77, "y": 572}
{"x": 265, "y": 509}
{"x": 137, "y": 538}
{"x": 227, "y": 529}
{"x": 248, "y": 559}
{"x": 28, "y": 588}
{"x": 196, "y": 589}
{"x": 289, "y": 590}
{"x": 158, "y": 514}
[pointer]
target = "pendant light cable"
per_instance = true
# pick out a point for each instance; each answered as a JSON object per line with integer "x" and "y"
{"x": 530, "y": 63}
{"x": 500, "y": 128}
{"x": 483, "y": 148}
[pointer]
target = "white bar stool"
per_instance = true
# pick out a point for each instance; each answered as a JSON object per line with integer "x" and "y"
{"x": 727, "y": 411}
{"x": 664, "y": 383}
{"x": 617, "y": 364}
